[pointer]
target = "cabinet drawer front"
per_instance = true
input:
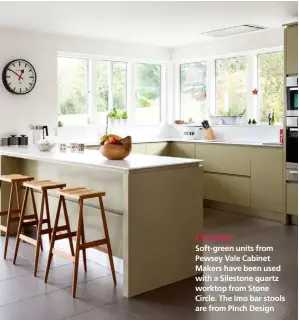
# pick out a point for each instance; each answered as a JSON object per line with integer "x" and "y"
{"x": 139, "y": 148}
{"x": 267, "y": 179}
{"x": 182, "y": 149}
{"x": 227, "y": 189}
{"x": 157, "y": 148}
{"x": 224, "y": 158}
{"x": 292, "y": 198}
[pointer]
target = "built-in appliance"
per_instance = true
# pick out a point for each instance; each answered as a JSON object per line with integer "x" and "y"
{"x": 292, "y": 96}
{"x": 292, "y": 153}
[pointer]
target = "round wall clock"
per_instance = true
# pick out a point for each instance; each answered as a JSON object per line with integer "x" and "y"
{"x": 19, "y": 76}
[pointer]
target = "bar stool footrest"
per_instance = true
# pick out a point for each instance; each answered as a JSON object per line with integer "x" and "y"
{"x": 15, "y": 219}
{"x": 92, "y": 244}
{"x": 5, "y": 213}
{"x": 28, "y": 239}
{"x": 63, "y": 255}
{"x": 65, "y": 235}
{"x": 3, "y": 228}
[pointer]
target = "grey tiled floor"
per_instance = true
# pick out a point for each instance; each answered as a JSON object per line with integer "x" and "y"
{"x": 27, "y": 298}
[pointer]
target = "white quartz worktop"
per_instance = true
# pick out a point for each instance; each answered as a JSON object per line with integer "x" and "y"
{"x": 234, "y": 142}
{"x": 93, "y": 159}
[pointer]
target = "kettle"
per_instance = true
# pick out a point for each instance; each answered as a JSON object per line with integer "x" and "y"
{"x": 45, "y": 144}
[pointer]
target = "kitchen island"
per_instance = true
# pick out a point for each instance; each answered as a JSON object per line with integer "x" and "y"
{"x": 154, "y": 208}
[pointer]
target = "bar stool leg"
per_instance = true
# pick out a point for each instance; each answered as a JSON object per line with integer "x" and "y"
{"x": 20, "y": 227}
{"x": 67, "y": 222}
{"x": 48, "y": 212}
{"x": 53, "y": 239}
{"x": 39, "y": 233}
{"x": 8, "y": 222}
{"x": 35, "y": 213}
{"x": 77, "y": 253}
{"x": 83, "y": 241}
{"x": 108, "y": 239}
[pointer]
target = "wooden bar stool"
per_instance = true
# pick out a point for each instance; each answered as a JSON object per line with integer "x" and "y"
{"x": 33, "y": 220}
{"x": 79, "y": 194}
{"x": 15, "y": 181}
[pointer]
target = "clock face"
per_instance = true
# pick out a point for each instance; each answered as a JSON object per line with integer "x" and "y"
{"x": 19, "y": 76}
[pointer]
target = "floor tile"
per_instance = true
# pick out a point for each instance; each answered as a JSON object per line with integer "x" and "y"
{"x": 56, "y": 305}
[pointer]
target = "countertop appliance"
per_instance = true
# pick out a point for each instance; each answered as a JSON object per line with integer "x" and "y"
{"x": 192, "y": 132}
{"x": 292, "y": 96}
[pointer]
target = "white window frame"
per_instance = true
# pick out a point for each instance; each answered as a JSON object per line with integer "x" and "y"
{"x": 131, "y": 88}
{"x": 252, "y": 80}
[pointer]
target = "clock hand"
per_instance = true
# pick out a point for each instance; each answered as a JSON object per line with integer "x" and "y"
{"x": 20, "y": 76}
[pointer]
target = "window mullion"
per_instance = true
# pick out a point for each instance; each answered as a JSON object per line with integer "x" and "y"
{"x": 211, "y": 86}
{"x": 252, "y": 110}
{"x": 131, "y": 98}
{"x": 91, "y": 92}
{"x": 110, "y": 84}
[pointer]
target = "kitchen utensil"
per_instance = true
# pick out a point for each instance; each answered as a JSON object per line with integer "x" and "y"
{"x": 13, "y": 140}
{"x": 80, "y": 147}
{"x": 23, "y": 140}
{"x": 4, "y": 142}
{"x": 45, "y": 131}
{"x": 62, "y": 147}
{"x": 45, "y": 145}
{"x": 74, "y": 147}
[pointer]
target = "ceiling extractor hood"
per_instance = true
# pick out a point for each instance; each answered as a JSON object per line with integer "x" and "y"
{"x": 230, "y": 31}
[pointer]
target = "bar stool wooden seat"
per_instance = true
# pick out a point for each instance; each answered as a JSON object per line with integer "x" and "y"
{"x": 33, "y": 220}
{"x": 15, "y": 180}
{"x": 80, "y": 194}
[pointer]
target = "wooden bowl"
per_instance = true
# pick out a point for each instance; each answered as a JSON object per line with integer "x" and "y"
{"x": 115, "y": 151}
{"x": 179, "y": 122}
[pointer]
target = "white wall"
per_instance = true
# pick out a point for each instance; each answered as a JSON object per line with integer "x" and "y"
{"x": 268, "y": 38}
{"x": 40, "y": 105}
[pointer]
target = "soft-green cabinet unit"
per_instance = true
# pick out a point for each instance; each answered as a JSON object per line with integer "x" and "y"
{"x": 267, "y": 179}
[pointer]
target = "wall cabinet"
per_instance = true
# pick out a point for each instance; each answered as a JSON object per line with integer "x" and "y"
{"x": 157, "y": 148}
{"x": 227, "y": 189}
{"x": 292, "y": 198}
{"x": 291, "y": 49}
{"x": 224, "y": 158}
{"x": 182, "y": 149}
{"x": 267, "y": 181}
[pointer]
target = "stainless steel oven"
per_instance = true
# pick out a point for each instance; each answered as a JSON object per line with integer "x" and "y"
{"x": 292, "y": 152}
{"x": 292, "y": 96}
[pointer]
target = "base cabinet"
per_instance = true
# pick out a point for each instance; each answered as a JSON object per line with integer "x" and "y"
{"x": 267, "y": 181}
{"x": 224, "y": 158}
{"x": 157, "y": 148}
{"x": 292, "y": 198}
{"x": 227, "y": 189}
{"x": 138, "y": 148}
{"x": 182, "y": 149}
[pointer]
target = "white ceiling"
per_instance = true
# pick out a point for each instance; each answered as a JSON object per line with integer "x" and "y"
{"x": 167, "y": 24}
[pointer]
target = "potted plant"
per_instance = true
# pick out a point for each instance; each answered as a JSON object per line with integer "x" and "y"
{"x": 112, "y": 115}
{"x": 123, "y": 116}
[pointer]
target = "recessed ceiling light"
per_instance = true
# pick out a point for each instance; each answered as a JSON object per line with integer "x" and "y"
{"x": 232, "y": 31}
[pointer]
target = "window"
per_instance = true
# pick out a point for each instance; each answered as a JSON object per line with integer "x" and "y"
{"x": 193, "y": 85}
{"x": 231, "y": 86}
{"x": 148, "y": 93}
{"x": 271, "y": 85}
{"x": 73, "y": 90}
{"x": 111, "y": 87}
{"x": 89, "y": 88}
